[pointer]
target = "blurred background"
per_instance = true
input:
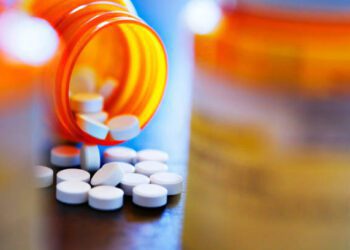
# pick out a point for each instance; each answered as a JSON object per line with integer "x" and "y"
{"x": 254, "y": 116}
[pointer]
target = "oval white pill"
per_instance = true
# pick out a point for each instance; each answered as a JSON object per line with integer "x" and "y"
{"x": 83, "y": 80}
{"x": 131, "y": 180}
{"x": 65, "y": 156}
{"x": 149, "y": 195}
{"x": 43, "y": 176}
{"x": 99, "y": 116}
{"x": 72, "y": 192}
{"x": 90, "y": 159}
{"x": 86, "y": 102}
{"x": 171, "y": 181}
{"x": 92, "y": 127}
{"x": 108, "y": 87}
{"x": 123, "y": 154}
{"x": 152, "y": 155}
{"x": 72, "y": 174}
{"x": 106, "y": 198}
{"x": 150, "y": 167}
{"x": 124, "y": 127}
{"x": 110, "y": 175}
{"x": 126, "y": 167}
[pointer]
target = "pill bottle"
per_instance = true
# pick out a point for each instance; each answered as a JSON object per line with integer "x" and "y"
{"x": 111, "y": 39}
{"x": 20, "y": 203}
{"x": 270, "y": 134}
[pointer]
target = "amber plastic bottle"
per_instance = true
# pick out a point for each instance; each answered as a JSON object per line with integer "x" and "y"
{"x": 106, "y": 36}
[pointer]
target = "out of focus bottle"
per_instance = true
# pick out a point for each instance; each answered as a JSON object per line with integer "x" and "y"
{"x": 270, "y": 138}
{"x": 27, "y": 45}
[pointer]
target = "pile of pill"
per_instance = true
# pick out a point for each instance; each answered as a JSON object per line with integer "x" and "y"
{"x": 143, "y": 175}
{"x": 87, "y": 103}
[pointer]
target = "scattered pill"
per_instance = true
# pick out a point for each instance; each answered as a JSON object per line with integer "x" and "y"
{"x": 90, "y": 157}
{"x": 124, "y": 127}
{"x": 43, "y": 176}
{"x": 171, "y": 181}
{"x": 72, "y": 192}
{"x": 72, "y": 174}
{"x": 131, "y": 180}
{"x": 106, "y": 198}
{"x": 149, "y": 195}
{"x": 65, "y": 156}
{"x": 150, "y": 167}
{"x": 83, "y": 80}
{"x": 86, "y": 102}
{"x": 92, "y": 127}
{"x": 152, "y": 155}
{"x": 119, "y": 154}
{"x": 110, "y": 175}
{"x": 108, "y": 87}
{"x": 99, "y": 116}
{"x": 126, "y": 167}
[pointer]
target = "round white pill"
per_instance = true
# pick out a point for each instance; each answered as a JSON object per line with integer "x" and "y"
{"x": 123, "y": 154}
{"x": 83, "y": 80}
{"x": 171, "y": 181}
{"x": 72, "y": 174}
{"x": 150, "y": 167}
{"x": 72, "y": 192}
{"x": 110, "y": 175}
{"x": 99, "y": 116}
{"x": 124, "y": 127}
{"x": 65, "y": 156}
{"x": 86, "y": 102}
{"x": 90, "y": 159}
{"x": 126, "y": 167}
{"x": 149, "y": 195}
{"x": 106, "y": 198}
{"x": 92, "y": 127}
{"x": 108, "y": 87}
{"x": 152, "y": 155}
{"x": 43, "y": 176}
{"x": 131, "y": 180}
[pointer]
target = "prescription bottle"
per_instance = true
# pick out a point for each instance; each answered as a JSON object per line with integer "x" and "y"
{"x": 270, "y": 134}
{"x": 107, "y": 37}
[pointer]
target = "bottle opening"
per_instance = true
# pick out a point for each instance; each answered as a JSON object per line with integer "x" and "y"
{"x": 121, "y": 52}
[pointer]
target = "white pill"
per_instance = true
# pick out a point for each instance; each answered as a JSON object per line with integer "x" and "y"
{"x": 43, "y": 176}
{"x": 152, "y": 155}
{"x": 86, "y": 102}
{"x": 92, "y": 127}
{"x": 110, "y": 175}
{"x": 171, "y": 181}
{"x": 73, "y": 174}
{"x": 83, "y": 80}
{"x": 65, "y": 156}
{"x": 126, "y": 167}
{"x": 150, "y": 167}
{"x": 90, "y": 159}
{"x": 131, "y": 180}
{"x": 99, "y": 116}
{"x": 124, "y": 127}
{"x": 72, "y": 192}
{"x": 106, "y": 198}
{"x": 108, "y": 87}
{"x": 149, "y": 195}
{"x": 123, "y": 154}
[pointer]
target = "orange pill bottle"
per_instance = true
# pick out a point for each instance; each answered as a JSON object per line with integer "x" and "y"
{"x": 270, "y": 131}
{"x": 112, "y": 40}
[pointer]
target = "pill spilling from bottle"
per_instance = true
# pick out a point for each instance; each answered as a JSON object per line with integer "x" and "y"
{"x": 103, "y": 186}
{"x": 102, "y": 180}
